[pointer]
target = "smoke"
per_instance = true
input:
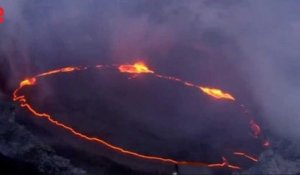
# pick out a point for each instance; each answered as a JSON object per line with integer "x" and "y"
{"x": 246, "y": 47}
{"x": 267, "y": 36}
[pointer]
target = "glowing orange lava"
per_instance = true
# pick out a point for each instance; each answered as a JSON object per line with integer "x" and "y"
{"x": 224, "y": 164}
{"x": 246, "y": 156}
{"x": 137, "y": 68}
{"x": 65, "y": 69}
{"x": 28, "y": 82}
{"x": 217, "y": 93}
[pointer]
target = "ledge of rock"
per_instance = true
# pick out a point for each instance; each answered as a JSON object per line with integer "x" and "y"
{"x": 21, "y": 152}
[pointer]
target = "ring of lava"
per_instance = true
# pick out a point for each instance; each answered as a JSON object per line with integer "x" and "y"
{"x": 135, "y": 70}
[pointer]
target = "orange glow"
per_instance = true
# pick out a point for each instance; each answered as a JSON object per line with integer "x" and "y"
{"x": 176, "y": 79}
{"x": 246, "y": 156}
{"x": 225, "y": 164}
{"x": 69, "y": 69}
{"x": 28, "y": 82}
{"x": 137, "y": 68}
{"x": 133, "y": 69}
{"x": 217, "y": 93}
{"x": 24, "y": 104}
{"x": 255, "y": 128}
{"x": 56, "y": 71}
{"x": 266, "y": 143}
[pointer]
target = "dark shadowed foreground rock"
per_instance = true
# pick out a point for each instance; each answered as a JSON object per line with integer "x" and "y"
{"x": 23, "y": 153}
{"x": 21, "y": 149}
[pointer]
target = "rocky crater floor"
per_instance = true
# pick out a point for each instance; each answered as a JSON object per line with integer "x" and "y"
{"x": 23, "y": 153}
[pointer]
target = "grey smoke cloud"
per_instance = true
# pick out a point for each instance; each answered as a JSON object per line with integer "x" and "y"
{"x": 249, "y": 47}
{"x": 267, "y": 36}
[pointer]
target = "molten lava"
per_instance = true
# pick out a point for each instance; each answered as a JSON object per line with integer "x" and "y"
{"x": 137, "y": 68}
{"x": 217, "y": 93}
{"x": 246, "y": 156}
{"x": 225, "y": 163}
{"x": 65, "y": 69}
{"x": 28, "y": 82}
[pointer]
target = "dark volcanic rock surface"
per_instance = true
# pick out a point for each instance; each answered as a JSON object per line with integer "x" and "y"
{"x": 23, "y": 153}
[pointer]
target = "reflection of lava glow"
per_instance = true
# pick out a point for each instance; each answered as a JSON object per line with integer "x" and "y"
{"x": 217, "y": 93}
{"x": 138, "y": 68}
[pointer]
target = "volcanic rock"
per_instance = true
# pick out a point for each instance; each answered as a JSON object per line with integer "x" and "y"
{"x": 24, "y": 153}
{"x": 282, "y": 158}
